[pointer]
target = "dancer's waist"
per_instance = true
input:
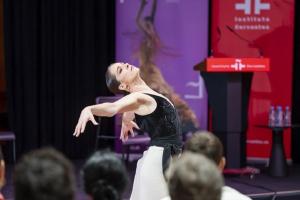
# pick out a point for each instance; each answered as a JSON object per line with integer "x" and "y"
{"x": 171, "y": 140}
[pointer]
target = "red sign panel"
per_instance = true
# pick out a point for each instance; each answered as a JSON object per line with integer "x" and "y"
{"x": 237, "y": 64}
{"x": 255, "y": 28}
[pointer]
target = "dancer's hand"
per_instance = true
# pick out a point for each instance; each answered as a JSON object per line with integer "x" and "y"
{"x": 126, "y": 128}
{"x": 127, "y": 125}
{"x": 85, "y": 116}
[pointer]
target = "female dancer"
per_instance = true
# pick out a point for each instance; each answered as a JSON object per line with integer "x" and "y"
{"x": 154, "y": 114}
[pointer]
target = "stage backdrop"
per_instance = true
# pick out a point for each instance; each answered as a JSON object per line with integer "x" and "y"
{"x": 254, "y": 28}
{"x": 183, "y": 29}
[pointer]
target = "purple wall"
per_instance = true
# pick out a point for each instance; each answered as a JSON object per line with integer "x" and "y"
{"x": 183, "y": 29}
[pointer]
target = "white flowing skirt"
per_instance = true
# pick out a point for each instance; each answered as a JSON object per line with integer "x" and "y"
{"x": 149, "y": 182}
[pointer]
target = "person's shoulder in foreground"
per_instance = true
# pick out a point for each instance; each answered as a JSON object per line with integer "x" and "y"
{"x": 229, "y": 193}
{"x": 166, "y": 198}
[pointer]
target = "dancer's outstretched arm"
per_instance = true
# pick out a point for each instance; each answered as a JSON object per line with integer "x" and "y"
{"x": 128, "y": 103}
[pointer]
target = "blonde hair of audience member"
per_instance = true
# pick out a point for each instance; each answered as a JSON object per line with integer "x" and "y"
{"x": 206, "y": 143}
{"x": 194, "y": 177}
{"x": 209, "y": 145}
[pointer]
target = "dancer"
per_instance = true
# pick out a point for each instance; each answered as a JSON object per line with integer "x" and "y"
{"x": 154, "y": 114}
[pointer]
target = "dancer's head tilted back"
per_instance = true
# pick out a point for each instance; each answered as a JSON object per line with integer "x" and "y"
{"x": 120, "y": 76}
{"x": 104, "y": 176}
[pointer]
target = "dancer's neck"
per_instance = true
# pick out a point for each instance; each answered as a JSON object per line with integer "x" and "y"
{"x": 139, "y": 86}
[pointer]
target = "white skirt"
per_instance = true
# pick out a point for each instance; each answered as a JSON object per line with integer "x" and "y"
{"x": 149, "y": 182}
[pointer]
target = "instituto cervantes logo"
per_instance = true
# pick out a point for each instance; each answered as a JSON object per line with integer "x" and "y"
{"x": 238, "y": 65}
{"x": 252, "y": 15}
{"x": 248, "y": 5}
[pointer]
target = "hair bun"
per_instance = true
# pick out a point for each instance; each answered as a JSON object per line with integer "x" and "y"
{"x": 102, "y": 190}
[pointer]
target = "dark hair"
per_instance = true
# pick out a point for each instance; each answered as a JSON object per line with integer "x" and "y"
{"x": 44, "y": 174}
{"x": 194, "y": 177}
{"x": 205, "y": 143}
{"x": 104, "y": 176}
{"x": 112, "y": 82}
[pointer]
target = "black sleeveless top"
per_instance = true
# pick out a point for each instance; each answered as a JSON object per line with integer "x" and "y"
{"x": 163, "y": 127}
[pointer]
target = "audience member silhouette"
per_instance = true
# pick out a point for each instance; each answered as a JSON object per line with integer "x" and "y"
{"x": 194, "y": 177}
{"x": 44, "y": 174}
{"x": 104, "y": 176}
{"x": 209, "y": 145}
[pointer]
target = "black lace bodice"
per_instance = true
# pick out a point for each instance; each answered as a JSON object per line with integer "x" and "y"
{"x": 163, "y": 123}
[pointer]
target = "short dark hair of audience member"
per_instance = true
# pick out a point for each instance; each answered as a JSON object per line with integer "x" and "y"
{"x": 208, "y": 144}
{"x": 194, "y": 177}
{"x": 104, "y": 176}
{"x": 44, "y": 174}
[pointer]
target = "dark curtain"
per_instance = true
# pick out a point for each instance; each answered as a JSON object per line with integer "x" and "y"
{"x": 296, "y": 89}
{"x": 56, "y": 54}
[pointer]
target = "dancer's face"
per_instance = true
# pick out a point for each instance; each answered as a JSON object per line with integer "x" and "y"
{"x": 124, "y": 72}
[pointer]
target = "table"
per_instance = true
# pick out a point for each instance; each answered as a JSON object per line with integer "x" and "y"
{"x": 277, "y": 164}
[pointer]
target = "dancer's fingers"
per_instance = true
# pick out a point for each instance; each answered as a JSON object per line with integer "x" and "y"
{"x": 92, "y": 118}
{"x": 82, "y": 127}
{"x": 77, "y": 130}
{"x": 125, "y": 135}
{"x": 121, "y": 136}
{"x": 135, "y": 125}
{"x": 132, "y": 133}
{"x": 122, "y": 132}
{"x": 76, "y": 134}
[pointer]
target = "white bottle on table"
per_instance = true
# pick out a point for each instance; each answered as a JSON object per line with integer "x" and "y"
{"x": 279, "y": 116}
{"x": 287, "y": 116}
{"x": 272, "y": 116}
